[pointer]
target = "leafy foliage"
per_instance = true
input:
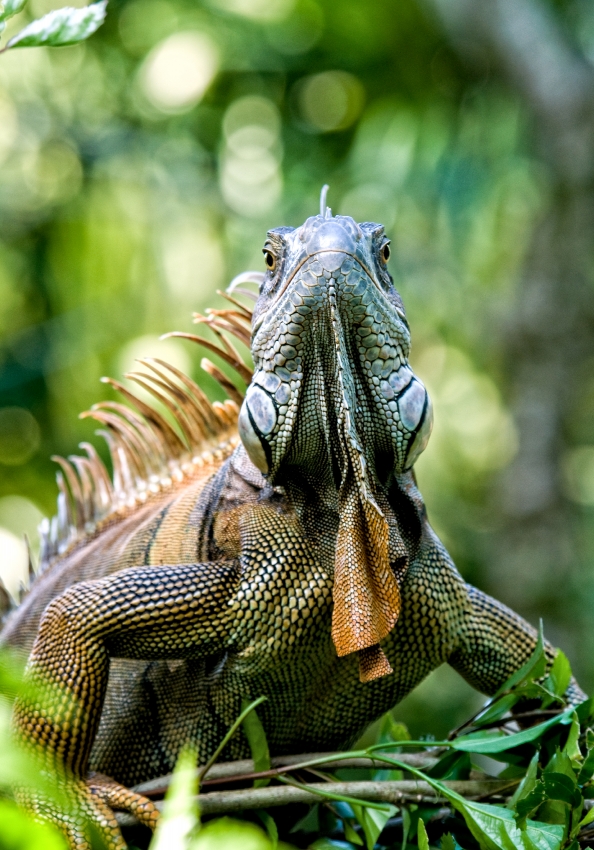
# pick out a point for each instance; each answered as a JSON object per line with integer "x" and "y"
{"x": 61, "y": 27}
{"x": 56, "y": 29}
{"x": 545, "y": 804}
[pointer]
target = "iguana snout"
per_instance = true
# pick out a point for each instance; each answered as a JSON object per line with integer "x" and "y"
{"x": 333, "y": 394}
{"x": 330, "y": 331}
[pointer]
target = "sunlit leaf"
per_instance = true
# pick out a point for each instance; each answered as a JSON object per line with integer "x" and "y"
{"x": 18, "y": 831}
{"x": 61, "y": 27}
{"x": 229, "y": 834}
{"x": 180, "y": 815}
{"x": 422, "y": 837}
{"x": 11, "y": 7}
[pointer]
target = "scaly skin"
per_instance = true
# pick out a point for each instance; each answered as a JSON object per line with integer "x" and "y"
{"x": 276, "y": 570}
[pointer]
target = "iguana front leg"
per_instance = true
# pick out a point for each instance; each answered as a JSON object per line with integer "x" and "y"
{"x": 143, "y": 612}
{"x": 494, "y": 642}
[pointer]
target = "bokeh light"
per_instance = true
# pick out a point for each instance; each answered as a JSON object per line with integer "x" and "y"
{"x": 18, "y": 517}
{"x": 251, "y": 179}
{"x": 19, "y": 436}
{"x": 330, "y": 101}
{"x": 178, "y": 71}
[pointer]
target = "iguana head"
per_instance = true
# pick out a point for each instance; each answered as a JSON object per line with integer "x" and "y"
{"x": 333, "y": 395}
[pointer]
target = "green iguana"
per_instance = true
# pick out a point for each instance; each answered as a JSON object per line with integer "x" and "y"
{"x": 280, "y": 549}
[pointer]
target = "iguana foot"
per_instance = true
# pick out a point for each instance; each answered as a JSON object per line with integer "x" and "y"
{"x": 122, "y": 799}
{"x": 81, "y": 815}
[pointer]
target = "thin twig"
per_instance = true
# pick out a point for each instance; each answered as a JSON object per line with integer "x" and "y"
{"x": 503, "y": 721}
{"x": 232, "y": 730}
{"x": 383, "y": 791}
{"x": 242, "y": 771}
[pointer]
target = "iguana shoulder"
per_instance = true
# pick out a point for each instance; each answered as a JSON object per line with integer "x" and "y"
{"x": 170, "y": 464}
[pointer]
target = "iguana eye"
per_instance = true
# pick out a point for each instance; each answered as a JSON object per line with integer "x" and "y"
{"x": 269, "y": 259}
{"x": 385, "y": 252}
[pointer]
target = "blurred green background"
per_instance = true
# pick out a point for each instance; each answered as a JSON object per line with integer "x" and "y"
{"x": 139, "y": 172}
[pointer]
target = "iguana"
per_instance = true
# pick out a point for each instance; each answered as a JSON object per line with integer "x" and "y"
{"x": 280, "y": 548}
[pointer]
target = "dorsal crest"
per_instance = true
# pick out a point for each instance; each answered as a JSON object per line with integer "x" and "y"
{"x": 153, "y": 446}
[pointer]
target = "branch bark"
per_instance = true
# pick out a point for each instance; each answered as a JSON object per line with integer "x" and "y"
{"x": 221, "y": 802}
{"x": 243, "y": 770}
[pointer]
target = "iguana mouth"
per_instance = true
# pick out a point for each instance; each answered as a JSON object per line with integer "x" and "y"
{"x": 332, "y": 389}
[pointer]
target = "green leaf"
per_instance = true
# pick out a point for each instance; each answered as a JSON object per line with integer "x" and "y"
{"x": 254, "y": 732}
{"x": 587, "y": 770}
{"x": 21, "y": 832}
{"x": 422, "y": 837}
{"x": 560, "y": 763}
{"x": 552, "y": 786}
{"x": 452, "y": 765}
{"x": 351, "y": 835}
{"x": 534, "y": 668}
{"x": 496, "y": 743}
{"x": 229, "y": 734}
{"x": 572, "y": 747}
{"x": 448, "y": 842}
{"x": 496, "y": 709}
{"x": 406, "y": 819}
{"x": 180, "y": 816}
{"x": 584, "y": 711}
{"x": 392, "y": 730}
{"x": 559, "y": 675}
{"x": 527, "y": 783}
{"x": 10, "y": 8}
{"x": 61, "y": 27}
{"x": 494, "y": 827}
{"x": 373, "y": 821}
{"x": 588, "y": 818}
{"x": 341, "y": 798}
{"x": 227, "y": 834}
{"x": 269, "y": 825}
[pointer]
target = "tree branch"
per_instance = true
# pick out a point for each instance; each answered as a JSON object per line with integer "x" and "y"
{"x": 220, "y": 802}
{"x": 243, "y": 770}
